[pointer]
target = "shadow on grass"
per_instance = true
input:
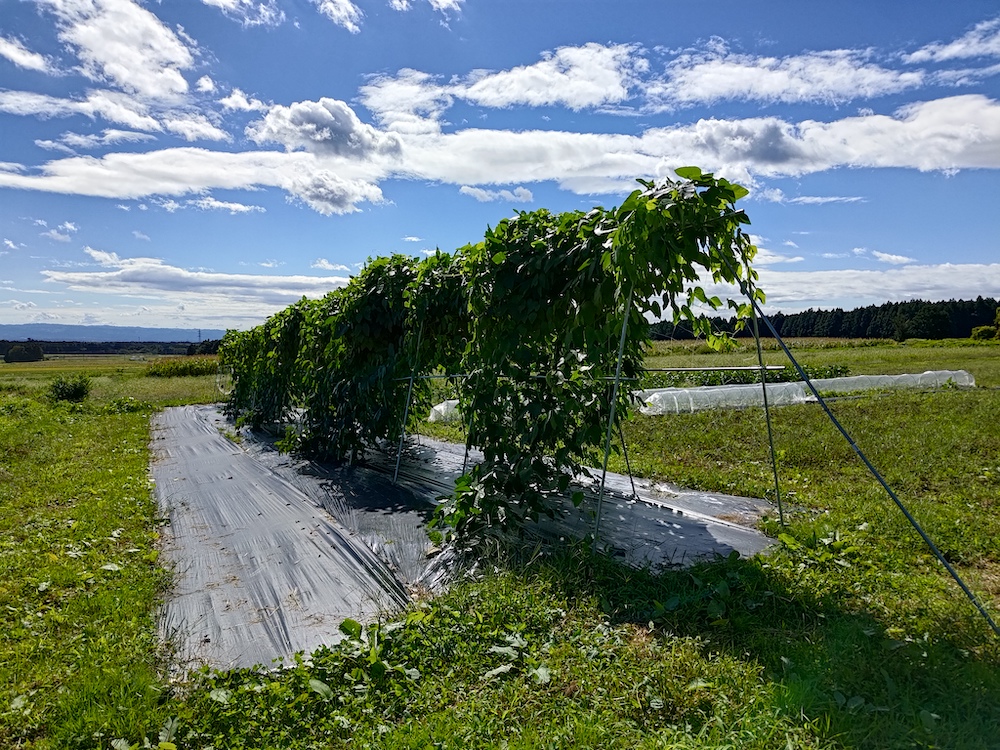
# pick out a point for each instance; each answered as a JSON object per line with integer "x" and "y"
{"x": 833, "y": 664}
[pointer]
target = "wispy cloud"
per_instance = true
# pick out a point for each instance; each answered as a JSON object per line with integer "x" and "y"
{"x": 324, "y": 265}
{"x": 518, "y": 195}
{"x": 831, "y": 77}
{"x": 981, "y": 41}
{"x": 15, "y": 51}
{"x": 896, "y": 260}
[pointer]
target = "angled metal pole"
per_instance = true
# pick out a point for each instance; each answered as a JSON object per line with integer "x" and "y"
{"x": 767, "y": 415}
{"x": 611, "y": 416}
{"x": 406, "y": 409}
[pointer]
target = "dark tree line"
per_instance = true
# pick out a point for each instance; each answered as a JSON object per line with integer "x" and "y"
{"x": 103, "y": 347}
{"x": 915, "y": 319}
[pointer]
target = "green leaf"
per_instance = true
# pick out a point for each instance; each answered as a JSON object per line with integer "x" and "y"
{"x": 320, "y": 688}
{"x": 499, "y": 258}
{"x": 688, "y": 173}
{"x": 351, "y": 628}
{"x": 541, "y": 674}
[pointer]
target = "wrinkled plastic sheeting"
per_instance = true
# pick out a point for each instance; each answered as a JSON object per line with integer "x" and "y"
{"x": 446, "y": 411}
{"x": 685, "y": 400}
{"x": 658, "y": 526}
{"x": 260, "y": 570}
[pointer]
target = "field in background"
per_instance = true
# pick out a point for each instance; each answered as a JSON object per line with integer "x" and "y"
{"x": 847, "y": 635}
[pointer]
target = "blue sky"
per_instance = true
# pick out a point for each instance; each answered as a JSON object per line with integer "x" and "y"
{"x": 204, "y": 163}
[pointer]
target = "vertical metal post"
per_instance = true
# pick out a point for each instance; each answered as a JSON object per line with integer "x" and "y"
{"x": 767, "y": 415}
{"x": 611, "y": 416}
{"x": 406, "y": 409}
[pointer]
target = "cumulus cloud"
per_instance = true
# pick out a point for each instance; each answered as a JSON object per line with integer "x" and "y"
{"x": 328, "y": 193}
{"x": 205, "y": 85}
{"x": 140, "y": 236}
{"x": 238, "y": 100}
{"x": 574, "y": 77}
{"x": 249, "y": 12}
{"x": 409, "y": 102}
{"x": 831, "y": 77}
{"x": 122, "y": 43}
{"x": 981, "y": 41}
{"x": 9, "y": 244}
{"x": 332, "y": 161}
{"x": 15, "y": 51}
{"x": 518, "y": 195}
{"x": 327, "y": 126}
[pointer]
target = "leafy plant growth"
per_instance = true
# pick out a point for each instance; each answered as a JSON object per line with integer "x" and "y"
{"x": 534, "y": 317}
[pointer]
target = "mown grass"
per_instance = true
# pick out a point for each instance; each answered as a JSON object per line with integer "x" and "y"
{"x": 80, "y": 661}
{"x": 847, "y": 635}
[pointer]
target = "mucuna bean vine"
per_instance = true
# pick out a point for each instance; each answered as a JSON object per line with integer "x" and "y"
{"x": 531, "y": 316}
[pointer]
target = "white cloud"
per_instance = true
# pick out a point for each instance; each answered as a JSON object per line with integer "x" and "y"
{"x": 848, "y": 288}
{"x": 111, "y": 105}
{"x": 249, "y": 12}
{"x": 896, "y": 260}
{"x": 333, "y": 161}
{"x": 982, "y": 41}
{"x": 10, "y": 244}
{"x": 573, "y": 77}
{"x": 412, "y": 238}
{"x": 15, "y": 51}
{"x": 194, "y": 127}
{"x": 155, "y": 279}
{"x": 271, "y": 263}
{"x": 121, "y": 42}
{"x": 324, "y": 265}
{"x": 789, "y": 243}
{"x": 328, "y": 193}
{"x": 55, "y": 234}
{"x": 831, "y": 77}
{"x": 819, "y": 200}
{"x": 344, "y": 13}
{"x": 205, "y": 85}
{"x": 67, "y": 142}
{"x": 238, "y": 100}
{"x": 519, "y": 194}
{"x": 409, "y": 102}
{"x": 140, "y": 236}
{"x": 69, "y": 226}
{"x": 209, "y": 204}
{"x": 327, "y": 126}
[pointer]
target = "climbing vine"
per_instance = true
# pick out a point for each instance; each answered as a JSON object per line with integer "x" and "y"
{"x": 534, "y": 318}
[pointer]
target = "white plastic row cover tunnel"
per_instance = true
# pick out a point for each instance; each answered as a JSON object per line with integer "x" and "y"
{"x": 679, "y": 400}
{"x": 682, "y": 400}
{"x": 446, "y": 411}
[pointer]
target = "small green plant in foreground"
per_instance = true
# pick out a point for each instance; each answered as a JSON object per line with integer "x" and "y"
{"x": 74, "y": 388}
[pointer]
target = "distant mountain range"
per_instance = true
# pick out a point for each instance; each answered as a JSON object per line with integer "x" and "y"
{"x": 57, "y": 332}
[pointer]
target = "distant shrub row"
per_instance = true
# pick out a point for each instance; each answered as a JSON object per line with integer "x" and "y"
{"x": 181, "y": 367}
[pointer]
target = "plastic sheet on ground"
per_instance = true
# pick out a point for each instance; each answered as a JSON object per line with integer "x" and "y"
{"x": 271, "y": 553}
{"x": 680, "y": 400}
{"x": 262, "y": 569}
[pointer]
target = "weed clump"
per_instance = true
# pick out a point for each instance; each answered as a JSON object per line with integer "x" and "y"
{"x": 73, "y": 388}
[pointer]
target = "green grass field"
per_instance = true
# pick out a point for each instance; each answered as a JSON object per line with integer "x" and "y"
{"x": 848, "y": 635}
